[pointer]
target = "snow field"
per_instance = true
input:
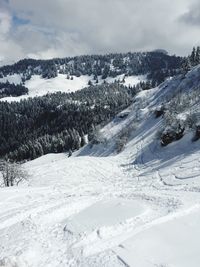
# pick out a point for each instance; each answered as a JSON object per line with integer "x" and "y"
{"x": 38, "y": 86}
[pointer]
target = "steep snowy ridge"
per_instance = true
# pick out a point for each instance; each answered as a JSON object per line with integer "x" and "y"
{"x": 184, "y": 83}
{"x": 140, "y": 207}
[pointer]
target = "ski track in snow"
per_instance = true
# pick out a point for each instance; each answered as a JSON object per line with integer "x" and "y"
{"x": 40, "y": 226}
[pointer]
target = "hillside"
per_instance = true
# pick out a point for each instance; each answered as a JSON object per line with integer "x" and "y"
{"x": 38, "y": 86}
{"x": 139, "y": 206}
{"x": 70, "y": 74}
{"x": 45, "y": 104}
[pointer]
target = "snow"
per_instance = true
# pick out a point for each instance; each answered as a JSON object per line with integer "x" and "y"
{"x": 134, "y": 80}
{"x": 105, "y": 213}
{"x": 170, "y": 243}
{"x": 101, "y": 209}
{"x": 39, "y": 86}
{"x": 14, "y": 78}
{"x": 128, "y": 80}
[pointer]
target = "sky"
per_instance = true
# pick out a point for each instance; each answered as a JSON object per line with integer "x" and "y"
{"x": 59, "y": 28}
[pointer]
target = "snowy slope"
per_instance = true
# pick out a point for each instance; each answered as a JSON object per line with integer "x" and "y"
{"x": 99, "y": 208}
{"x": 39, "y": 86}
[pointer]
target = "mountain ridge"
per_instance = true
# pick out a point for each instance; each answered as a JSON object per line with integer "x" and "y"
{"x": 98, "y": 65}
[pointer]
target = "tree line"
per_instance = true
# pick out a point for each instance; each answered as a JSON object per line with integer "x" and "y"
{"x": 11, "y": 89}
{"x": 192, "y": 60}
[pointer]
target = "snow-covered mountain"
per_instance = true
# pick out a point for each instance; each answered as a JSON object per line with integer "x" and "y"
{"x": 70, "y": 74}
{"x": 128, "y": 198}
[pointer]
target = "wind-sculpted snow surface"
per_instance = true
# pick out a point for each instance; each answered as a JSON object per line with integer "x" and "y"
{"x": 102, "y": 209}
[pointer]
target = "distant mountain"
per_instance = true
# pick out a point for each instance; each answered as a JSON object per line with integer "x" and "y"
{"x": 161, "y": 51}
{"x": 110, "y": 65}
{"x": 70, "y": 74}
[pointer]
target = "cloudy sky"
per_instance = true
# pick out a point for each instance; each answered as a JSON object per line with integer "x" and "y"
{"x": 57, "y": 28}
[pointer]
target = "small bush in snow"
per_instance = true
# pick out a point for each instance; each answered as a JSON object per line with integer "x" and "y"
{"x": 197, "y": 134}
{"x": 159, "y": 112}
{"x": 11, "y": 173}
{"x": 172, "y": 134}
{"x": 96, "y": 137}
{"x": 121, "y": 142}
{"x": 191, "y": 121}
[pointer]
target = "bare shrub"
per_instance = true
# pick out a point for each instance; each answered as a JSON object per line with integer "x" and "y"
{"x": 123, "y": 137}
{"x": 121, "y": 142}
{"x": 12, "y": 173}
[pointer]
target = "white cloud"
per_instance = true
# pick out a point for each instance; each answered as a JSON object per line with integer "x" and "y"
{"x": 73, "y": 27}
{"x": 9, "y": 49}
{"x": 192, "y": 16}
{"x": 5, "y": 24}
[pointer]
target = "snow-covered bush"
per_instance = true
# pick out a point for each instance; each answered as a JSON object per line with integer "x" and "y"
{"x": 172, "y": 134}
{"x": 181, "y": 114}
{"x": 11, "y": 173}
{"x": 191, "y": 121}
{"x": 124, "y": 135}
{"x": 96, "y": 137}
{"x": 159, "y": 111}
{"x": 173, "y": 128}
{"x": 121, "y": 142}
{"x": 197, "y": 134}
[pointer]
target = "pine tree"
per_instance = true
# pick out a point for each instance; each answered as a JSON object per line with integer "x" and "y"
{"x": 186, "y": 65}
{"x": 90, "y": 83}
{"x": 197, "y": 59}
{"x": 193, "y": 57}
